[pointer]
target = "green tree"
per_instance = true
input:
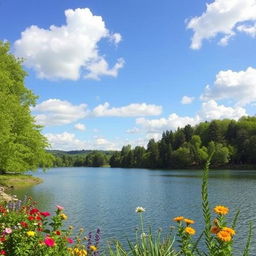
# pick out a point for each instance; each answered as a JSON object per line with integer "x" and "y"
{"x": 22, "y": 146}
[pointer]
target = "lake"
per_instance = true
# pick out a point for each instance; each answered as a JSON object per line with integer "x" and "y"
{"x": 107, "y": 197}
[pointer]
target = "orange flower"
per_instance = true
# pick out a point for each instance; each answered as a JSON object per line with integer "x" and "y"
{"x": 224, "y": 236}
{"x": 214, "y": 229}
{"x": 179, "y": 218}
{"x": 189, "y": 221}
{"x": 190, "y": 230}
{"x": 231, "y": 231}
{"x": 222, "y": 210}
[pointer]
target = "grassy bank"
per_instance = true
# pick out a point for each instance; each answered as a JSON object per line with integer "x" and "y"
{"x": 18, "y": 180}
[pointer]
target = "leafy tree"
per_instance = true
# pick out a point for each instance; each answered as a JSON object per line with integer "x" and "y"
{"x": 22, "y": 146}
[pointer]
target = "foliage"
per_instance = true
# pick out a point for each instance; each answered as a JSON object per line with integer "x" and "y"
{"x": 27, "y": 231}
{"x": 22, "y": 146}
{"x": 233, "y": 143}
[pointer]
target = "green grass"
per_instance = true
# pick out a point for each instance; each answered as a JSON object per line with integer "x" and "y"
{"x": 19, "y": 180}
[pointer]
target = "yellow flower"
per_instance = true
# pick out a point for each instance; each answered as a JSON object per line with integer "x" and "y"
{"x": 189, "y": 221}
{"x": 83, "y": 252}
{"x": 31, "y": 233}
{"x": 63, "y": 216}
{"x": 93, "y": 248}
{"x": 231, "y": 231}
{"x": 222, "y": 210}
{"x": 214, "y": 229}
{"x": 224, "y": 236}
{"x": 190, "y": 230}
{"x": 179, "y": 218}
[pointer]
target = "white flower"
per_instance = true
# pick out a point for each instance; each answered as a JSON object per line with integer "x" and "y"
{"x": 139, "y": 209}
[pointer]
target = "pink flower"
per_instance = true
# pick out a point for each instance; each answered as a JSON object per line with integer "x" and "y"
{"x": 2, "y": 252}
{"x": 60, "y": 208}
{"x": 45, "y": 214}
{"x": 49, "y": 241}
{"x": 69, "y": 240}
{"x": 8, "y": 230}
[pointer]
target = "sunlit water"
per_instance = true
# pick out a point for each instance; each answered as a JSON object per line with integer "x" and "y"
{"x": 107, "y": 198}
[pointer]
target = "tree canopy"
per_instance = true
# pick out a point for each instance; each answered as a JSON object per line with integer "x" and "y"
{"x": 22, "y": 146}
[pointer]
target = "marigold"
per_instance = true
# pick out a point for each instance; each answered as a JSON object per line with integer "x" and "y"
{"x": 189, "y": 221}
{"x": 222, "y": 210}
{"x": 179, "y": 218}
{"x": 31, "y": 233}
{"x": 231, "y": 231}
{"x": 214, "y": 229}
{"x": 190, "y": 230}
{"x": 224, "y": 236}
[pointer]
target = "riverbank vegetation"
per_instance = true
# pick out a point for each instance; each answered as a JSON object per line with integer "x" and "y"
{"x": 233, "y": 143}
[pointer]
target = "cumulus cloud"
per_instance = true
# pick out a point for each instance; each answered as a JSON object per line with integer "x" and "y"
{"x": 65, "y": 141}
{"x": 171, "y": 123}
{"x": 187, "y": 100}
{"x": 67, "y": 51}
{"x": 238, "y": 86}
{"x": 135, "y": 109}
{"x": 80, "y": 127}
{"x": 58, "y": 112}
{"x": 69, "y": 141}
{"x": 248, "y": 29}
{"x": 221, "y": 17}
{"x": 209, "y": 111}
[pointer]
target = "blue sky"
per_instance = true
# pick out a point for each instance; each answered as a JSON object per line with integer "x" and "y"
{"x": 110, "y": 73}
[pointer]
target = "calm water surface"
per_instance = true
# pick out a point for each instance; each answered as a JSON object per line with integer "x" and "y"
{"x": 107, "y": 198}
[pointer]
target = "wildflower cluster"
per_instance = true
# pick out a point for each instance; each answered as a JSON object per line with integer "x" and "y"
{"x": 27, "y": 231}
{"x": 185, "y": 231}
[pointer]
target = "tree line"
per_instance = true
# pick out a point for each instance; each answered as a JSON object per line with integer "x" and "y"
{"x": 79, "y": 159}
{"x": 232, "y": 143}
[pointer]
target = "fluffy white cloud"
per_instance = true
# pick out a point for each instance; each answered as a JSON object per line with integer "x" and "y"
{"x": 135, "y": 109}
{"x": 248, "y": 29}
{"x": 65, "y": 141}
{"x": 238, "y": 86}
{"x": 80, "y": 127}
{"x": 187, "y": 100}
{"x": 171, "y": 123}
{"x": 67, "y": 51}
{"x": 209, "y": 111}
{"x": 134, "y": 130}
{"x": 68, "y": 141}
{"x": 221, "y": 17}
{"x": 58, "y": 112}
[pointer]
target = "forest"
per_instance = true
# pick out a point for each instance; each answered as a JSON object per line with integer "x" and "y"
{"x": 231, "y": 143}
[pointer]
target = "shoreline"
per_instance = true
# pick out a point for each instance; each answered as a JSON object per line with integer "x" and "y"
{"x": 8, "y": 182}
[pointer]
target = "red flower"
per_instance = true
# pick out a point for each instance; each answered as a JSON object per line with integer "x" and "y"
{"x": 23, "y": 224}
{"x": 2, "y": 239}
{"x": 58, "y": 233}
{"x": 38, "y": 218}
{"x": 33, "y": 211}
{"x": 70, "y": 240}
{"x": 40, "y": 229}
{"x": 2, "y": 252}
{"x": 31, "y": 218}
{"x": 45, "y": 214}
{"x": 49, "y": 241}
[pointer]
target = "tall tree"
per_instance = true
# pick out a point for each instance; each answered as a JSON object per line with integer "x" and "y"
{"x": 22, "y": 146}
